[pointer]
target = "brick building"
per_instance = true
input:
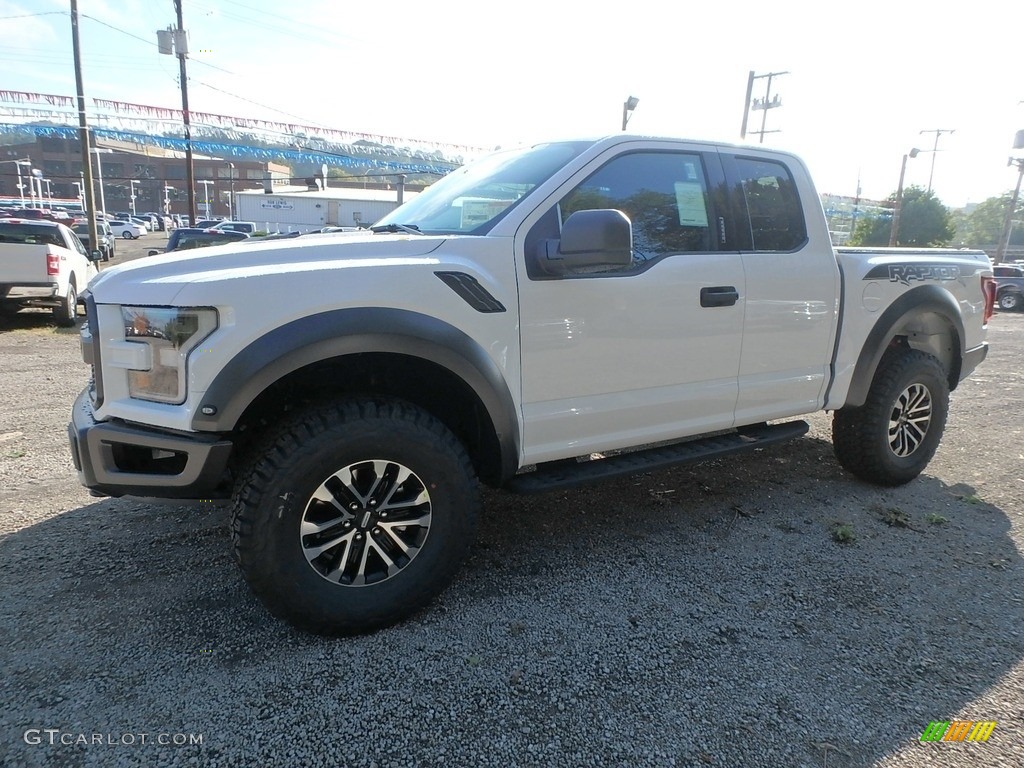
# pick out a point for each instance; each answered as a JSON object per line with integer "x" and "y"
{"x": 158, "y": 175}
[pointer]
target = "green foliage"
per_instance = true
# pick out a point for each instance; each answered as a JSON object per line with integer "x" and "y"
{"x": 924, "y": 222}
{"x": 984, "y": 225}
{"x": 843, "y": 533}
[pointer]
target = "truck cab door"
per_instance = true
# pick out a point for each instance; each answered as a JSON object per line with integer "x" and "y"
{"x": 621, "y": 355}
{"x": 793, "y": 285}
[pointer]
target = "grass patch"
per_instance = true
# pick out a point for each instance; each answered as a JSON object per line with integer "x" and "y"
{"x": 843, "y": 533}
{"x": 933, "y": 518}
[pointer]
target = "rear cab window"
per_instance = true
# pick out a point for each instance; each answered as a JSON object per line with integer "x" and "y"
{"x": 765, "y": 196}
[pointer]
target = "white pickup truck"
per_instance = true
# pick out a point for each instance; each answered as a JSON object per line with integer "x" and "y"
{"x": 545, "y": 317}
{"x": 43, "y": 264}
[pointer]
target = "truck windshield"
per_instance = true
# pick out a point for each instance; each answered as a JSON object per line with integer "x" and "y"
{"x": 475, "y": 197}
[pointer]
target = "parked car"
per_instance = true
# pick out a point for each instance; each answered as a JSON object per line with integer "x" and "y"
{"x": 161, "y": 221}
{"x": 185, "y": 238}
{"x": 1009, "y": 286}
{"x": 236, "y": 226}
{"x": 207, "y": 223}
{"x": 106, "y": 239}
{"x": 129, "y": 230}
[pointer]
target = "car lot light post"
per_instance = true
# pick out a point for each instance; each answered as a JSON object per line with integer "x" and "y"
{"x": 35, "y": 182}
{"x": 206, "y": 195}
{"x": 99, "y": 175}
{"x": 231, "y": 191}
{"x": 18, "y": 164}
{"x": 131, "y": 199}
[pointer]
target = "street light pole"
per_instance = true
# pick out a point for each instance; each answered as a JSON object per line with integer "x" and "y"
{"x": 627, "y": 109}
{"x": 898, "y": 209}
{"x": 131, "y": 200}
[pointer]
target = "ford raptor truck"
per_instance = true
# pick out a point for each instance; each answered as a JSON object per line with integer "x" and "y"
{"x": 544, "y": 317}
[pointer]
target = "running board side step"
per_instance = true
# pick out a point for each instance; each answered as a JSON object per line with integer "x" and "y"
{"x": 556, "y": 475}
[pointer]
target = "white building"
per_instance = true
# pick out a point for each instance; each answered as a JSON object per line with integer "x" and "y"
{"x": 299, "y": 209}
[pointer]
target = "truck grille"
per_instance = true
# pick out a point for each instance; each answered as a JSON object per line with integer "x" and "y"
{"x": 91, "y": 351}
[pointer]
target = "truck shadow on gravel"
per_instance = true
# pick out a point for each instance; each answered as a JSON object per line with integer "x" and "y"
{"x": 765, "y": 610}
{"x": 37, "y": 320}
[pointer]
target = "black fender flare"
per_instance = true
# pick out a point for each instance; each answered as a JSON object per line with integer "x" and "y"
{"x": 343, "y": 332}
{"x": 893, "y": 322}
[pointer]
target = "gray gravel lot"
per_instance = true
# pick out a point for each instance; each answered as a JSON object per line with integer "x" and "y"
{"x": 705, "y": 616}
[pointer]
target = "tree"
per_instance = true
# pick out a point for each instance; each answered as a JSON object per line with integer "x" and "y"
{"x": 984, "y": 225}
{"x": 924, "y": 222}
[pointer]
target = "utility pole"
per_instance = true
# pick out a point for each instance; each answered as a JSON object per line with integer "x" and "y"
{"x": 83, "y": 133}
{"x": 176, "y": 41}
{"x": 763, "y": 104}
{"x": 1011, "y": 209}
{"x": 935, "y": 150}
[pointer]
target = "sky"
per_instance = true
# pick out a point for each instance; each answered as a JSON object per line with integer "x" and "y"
{"x": 865, "y": 82}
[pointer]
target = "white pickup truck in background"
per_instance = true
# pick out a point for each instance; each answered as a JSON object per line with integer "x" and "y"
{"x": 546, "y": 317}
{"x": 43, "y": 264}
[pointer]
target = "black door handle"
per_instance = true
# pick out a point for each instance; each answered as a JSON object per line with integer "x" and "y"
{"x": 719, "y": 296}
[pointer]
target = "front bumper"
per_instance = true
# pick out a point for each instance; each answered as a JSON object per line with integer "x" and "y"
{"x": 119, "y": 459}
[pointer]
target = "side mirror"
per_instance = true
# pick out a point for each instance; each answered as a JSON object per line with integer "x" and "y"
{"x": 95, "y": 256}
{"x": 591, "y": 240}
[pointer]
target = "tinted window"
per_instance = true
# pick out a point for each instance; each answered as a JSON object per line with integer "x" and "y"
{"x": 664, "y": 194}
{"x": 30, "y": 234}
{"x": 776, "y": 216}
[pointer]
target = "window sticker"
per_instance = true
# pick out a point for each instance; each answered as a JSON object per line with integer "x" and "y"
{"x": 690, "y": 202}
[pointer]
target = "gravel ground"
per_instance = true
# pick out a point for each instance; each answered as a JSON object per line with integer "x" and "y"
{"x": 766, "y": 610}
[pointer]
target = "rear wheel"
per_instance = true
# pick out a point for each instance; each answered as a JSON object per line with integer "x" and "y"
{"x": 66, "y": 313}
{"x": 892, "y": 437}
{"x": 1010, "y": 300}
{"x": 355, "y": 516}
{"x": 127, "y": 235}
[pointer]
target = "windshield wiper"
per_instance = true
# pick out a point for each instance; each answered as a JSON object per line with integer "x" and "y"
{"x": 412, "y": 229}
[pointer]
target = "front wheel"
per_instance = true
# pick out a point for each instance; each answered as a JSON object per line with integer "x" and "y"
{"x": 127, "y": 235}
{"x": 355, "y": 516}
{"x": 891, "y": 438}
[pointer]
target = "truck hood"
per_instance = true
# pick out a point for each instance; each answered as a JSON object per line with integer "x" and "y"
{"x": 158, "y": 280}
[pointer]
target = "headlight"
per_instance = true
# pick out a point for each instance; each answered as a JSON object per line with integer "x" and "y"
{"x": 171, "y": 334}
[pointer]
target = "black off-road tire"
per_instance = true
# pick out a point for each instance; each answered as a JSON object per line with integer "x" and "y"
{"x": 342, "y": 452}
{"x": 879, "y": 442}
{"x": 66, "y": 314}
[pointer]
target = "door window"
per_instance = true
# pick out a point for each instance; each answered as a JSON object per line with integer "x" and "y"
{"x": 664, "y": 194}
